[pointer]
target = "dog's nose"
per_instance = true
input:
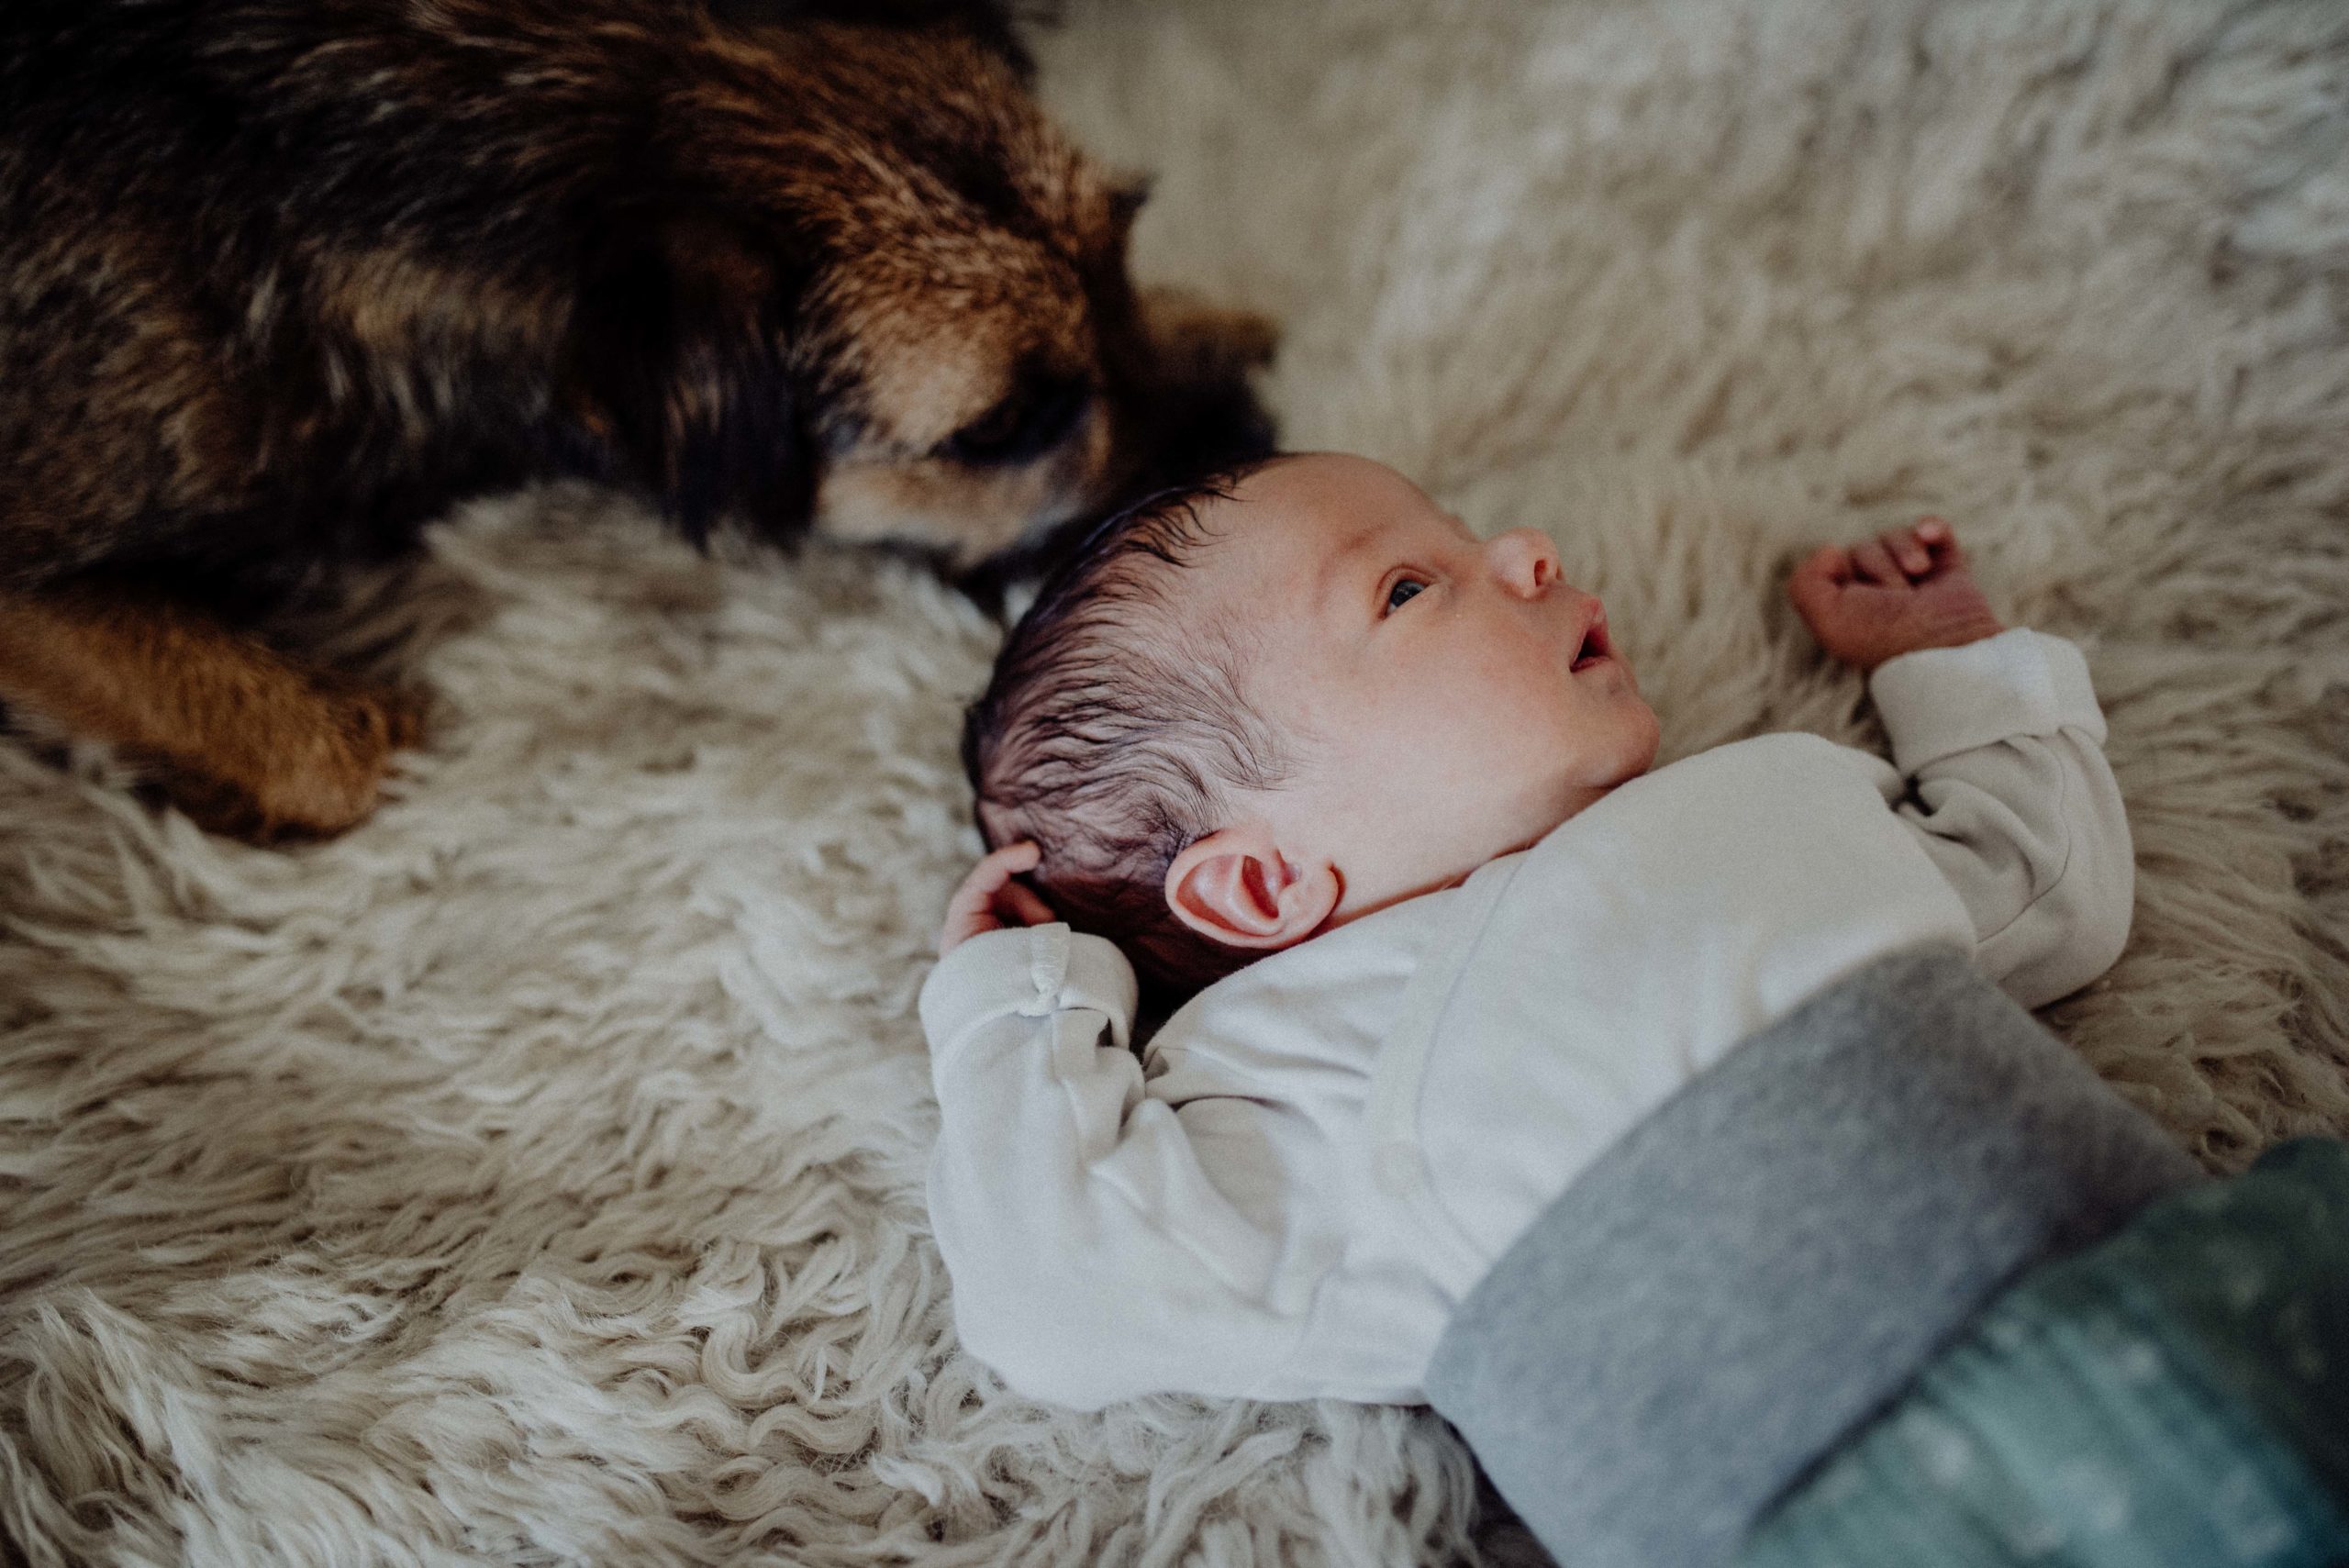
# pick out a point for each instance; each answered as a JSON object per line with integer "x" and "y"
{"x": 1178, "y": 386}
{"x": 1226, "y": 424}
{"x": 1198, "y": 427}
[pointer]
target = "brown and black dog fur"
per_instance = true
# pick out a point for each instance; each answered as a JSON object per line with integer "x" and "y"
{"x": 280, "y": 279}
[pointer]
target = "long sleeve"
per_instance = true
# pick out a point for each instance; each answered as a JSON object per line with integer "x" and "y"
{"x": 2000, "y": 744}
{"x": 1093, "y": 1258}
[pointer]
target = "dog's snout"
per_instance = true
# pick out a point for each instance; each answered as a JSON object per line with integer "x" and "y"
{"x": 1201, "y": 426}
{"x": 1227, "y": 424}
{"x": 1188, "y": 406}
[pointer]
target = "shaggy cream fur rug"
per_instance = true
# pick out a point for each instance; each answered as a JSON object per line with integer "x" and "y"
{"x": 533, "y": 1175}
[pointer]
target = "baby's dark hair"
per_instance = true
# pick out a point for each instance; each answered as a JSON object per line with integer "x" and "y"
{"x": 1113, "y": 728}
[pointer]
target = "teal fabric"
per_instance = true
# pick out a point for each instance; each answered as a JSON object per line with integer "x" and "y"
{"x": 1746, "y": 1277}
{"x": 2176, "y": 1397}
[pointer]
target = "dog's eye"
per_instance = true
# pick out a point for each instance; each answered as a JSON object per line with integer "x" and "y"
{"x": 1026, "y": 423}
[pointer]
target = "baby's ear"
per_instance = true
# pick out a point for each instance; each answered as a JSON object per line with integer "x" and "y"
{"x": 1234, "y": 887}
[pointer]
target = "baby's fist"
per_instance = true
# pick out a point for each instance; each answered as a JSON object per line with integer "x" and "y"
{"x": 1902, "y": 591}
{"x": 990, "y": 899}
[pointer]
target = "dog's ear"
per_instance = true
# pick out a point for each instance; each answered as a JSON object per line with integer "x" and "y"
{"x": 679, "y": 341}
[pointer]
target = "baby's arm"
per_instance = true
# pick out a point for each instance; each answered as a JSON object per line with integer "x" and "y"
{"x": 1998, "y": 741}
{"x": 1092, "y": 1257}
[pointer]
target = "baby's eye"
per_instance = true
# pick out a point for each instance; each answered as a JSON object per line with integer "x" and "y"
{"x": 1405, "y": 590}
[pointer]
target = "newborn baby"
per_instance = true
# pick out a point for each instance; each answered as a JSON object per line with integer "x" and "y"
{"x": 1379, "y": 792}
{"x": 1664, "y": 1130}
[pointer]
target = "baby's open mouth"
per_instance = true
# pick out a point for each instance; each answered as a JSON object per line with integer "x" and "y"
{"x": 1595, "y": 647}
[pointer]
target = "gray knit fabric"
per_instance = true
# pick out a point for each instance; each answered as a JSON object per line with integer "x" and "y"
{"x": 1762, "y": 1264}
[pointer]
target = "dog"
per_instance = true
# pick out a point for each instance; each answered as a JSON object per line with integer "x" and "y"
{"x": 281, "y": 282}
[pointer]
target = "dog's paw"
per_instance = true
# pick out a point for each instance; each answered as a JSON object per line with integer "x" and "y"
{"x": 322, "y": 775}
{"x": 402, "y": 717}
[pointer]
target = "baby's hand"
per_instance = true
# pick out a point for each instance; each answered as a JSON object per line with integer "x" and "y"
{"x": 1902, "y": 591}
{"x": 989, "y": 899}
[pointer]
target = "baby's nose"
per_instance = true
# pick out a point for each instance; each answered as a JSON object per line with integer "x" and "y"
{"x": 1525, "y": 560}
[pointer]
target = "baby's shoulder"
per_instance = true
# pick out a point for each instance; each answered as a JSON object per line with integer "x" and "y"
{"x": 1787, "y": 743}
{"x": 1763, "y": 784}
{"x": 1781, "y": 759}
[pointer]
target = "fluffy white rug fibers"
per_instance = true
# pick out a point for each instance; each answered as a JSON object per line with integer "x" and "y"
{"x": 533, "y": 1175}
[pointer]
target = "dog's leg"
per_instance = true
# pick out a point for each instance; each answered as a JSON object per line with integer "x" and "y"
{"x": 246, "y": 741}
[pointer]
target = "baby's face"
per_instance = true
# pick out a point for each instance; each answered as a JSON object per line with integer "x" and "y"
{"x": 1445, "y": 699}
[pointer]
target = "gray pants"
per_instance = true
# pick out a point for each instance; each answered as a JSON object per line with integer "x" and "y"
{"x": 1762, "y": 1265}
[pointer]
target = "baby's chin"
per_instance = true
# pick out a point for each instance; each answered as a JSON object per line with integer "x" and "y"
{"x": 1501, "y": 827}
{"x": 1523, "y": 834}
{"x": 1573, "y": 800}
